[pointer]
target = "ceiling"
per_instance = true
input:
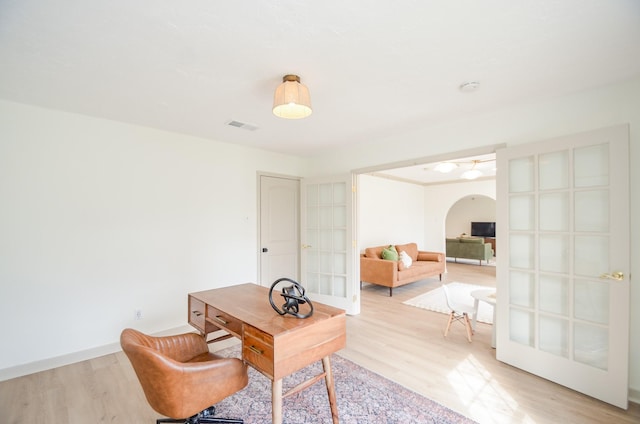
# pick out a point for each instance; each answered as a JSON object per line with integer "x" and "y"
{"x": 426, "y": 174}
{"x": 374, "y": 69}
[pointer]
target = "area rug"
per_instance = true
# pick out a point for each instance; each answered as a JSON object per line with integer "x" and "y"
{"x": 362, "y": 396}
{"x": 434, "y": 300}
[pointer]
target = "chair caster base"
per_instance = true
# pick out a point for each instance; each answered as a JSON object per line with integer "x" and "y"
{"x": 204, "y": 417}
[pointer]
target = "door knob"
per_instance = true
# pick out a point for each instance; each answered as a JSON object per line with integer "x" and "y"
{"x": 616, "y": 275}
{"x": 265, "y": 250}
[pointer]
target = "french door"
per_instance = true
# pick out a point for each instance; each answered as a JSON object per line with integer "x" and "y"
{"x": 563, "y": 286}
{"x": 328, "y": 242}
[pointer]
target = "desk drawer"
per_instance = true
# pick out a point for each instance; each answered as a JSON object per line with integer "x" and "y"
{"x": 224, "y": 321}
{"x": 257, "y": 350}
{"x": 196, "y": 314}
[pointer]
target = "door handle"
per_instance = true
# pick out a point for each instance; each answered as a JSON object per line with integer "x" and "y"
{"x": 616, "y": 275}
{"x": 265, "y": 250}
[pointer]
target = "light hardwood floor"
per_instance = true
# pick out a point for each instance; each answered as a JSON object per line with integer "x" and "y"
{"x": 406, "y": 344}
{"x": 400, "y": 342}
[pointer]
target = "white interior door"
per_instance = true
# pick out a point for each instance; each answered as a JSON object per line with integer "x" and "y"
{"x": 563, "y": 213}
{"x": 279, "y": 229}
{"x": 328, "y": 242}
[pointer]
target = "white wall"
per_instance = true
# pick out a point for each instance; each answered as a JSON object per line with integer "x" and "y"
{"x": 471, "y": 208}
{"x": 389, "y": 212}
{"x": 440, "y": 199}
{"x": 99, "y": 218}
{"x": 525, "y": 123}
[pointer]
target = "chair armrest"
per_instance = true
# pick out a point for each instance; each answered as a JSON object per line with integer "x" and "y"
{"x": 211, "y": 373}
{"x": 431, "y": 256}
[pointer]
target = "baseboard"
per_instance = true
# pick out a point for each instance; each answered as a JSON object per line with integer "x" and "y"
{"x": 634, "y": 396}
{"x": 71, "y": 358}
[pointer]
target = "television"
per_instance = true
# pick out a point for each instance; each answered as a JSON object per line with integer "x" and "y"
{"x": 483, "y": 229}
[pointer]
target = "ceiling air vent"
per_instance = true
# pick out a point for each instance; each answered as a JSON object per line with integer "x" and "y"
{"x": 242, "y": 125}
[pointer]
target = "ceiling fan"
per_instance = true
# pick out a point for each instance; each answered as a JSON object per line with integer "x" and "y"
{"x": 469, "y": 174}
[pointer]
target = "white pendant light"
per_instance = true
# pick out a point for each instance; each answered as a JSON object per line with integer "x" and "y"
{"x": 291, "y": 99}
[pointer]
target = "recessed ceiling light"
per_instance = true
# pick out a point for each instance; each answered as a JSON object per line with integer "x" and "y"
{"x": 469, "y": 86}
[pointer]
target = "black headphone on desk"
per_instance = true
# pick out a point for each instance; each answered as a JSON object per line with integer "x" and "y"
{"x": 294, "y": 297}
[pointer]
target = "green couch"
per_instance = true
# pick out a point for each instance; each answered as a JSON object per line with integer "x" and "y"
{"x": 469, "y": 248}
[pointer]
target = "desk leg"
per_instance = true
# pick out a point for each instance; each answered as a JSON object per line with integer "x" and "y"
{"x": 331, "y": 390}
{"x": 276, "y": 401}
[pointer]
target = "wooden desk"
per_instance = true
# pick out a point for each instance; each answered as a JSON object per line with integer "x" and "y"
{"x": 273, "y": 344}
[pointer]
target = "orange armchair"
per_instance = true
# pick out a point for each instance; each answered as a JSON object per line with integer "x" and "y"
{"x": 180, "y": 378}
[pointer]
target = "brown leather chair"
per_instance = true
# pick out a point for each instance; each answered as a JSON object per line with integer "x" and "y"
{"x": 181, "y": 378}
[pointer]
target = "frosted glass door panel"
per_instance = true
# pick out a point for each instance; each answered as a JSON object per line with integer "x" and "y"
{"x": 591, "y": 301}
{"x": 521, "y": 251}
{"x": 554, "y": 170}
{"x": 554, "y": 335}
{"x": 339, "y": 216}
{"x": 326, "y": 284}
{"x": 554, "y": 253}
{"x": 325, "y": 194}
{"x": 592, "y": 211}
{"x": 339, "y": 263}
{"x": 326, "y": 239}
{"x": 591, "y": 256}
{"x": 326, "y": 263}
{"x": 522, "y": 327}
{"x": 591, "y": 345}
{"x": 312, "y": 218}
{"x": 522, "y": 215}
{"x": 339, "y": 240}
{"x": 554, "y": 294}
{"x": 339, "y": 193}
{"x": 312, "y": 195}
{"x": 521, "y": 176}
{"x": 522, "y": 289}
{"x": 591, "y": 166}
{"x": 325, "y": 216}
{"x": 340, "y": 286}
{"x": 313, "y": 263}
{"x": 554, "y": 212}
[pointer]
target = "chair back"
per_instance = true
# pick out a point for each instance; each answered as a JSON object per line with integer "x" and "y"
{"x": 447, "y": 297}
{"x": 178, "y": 375}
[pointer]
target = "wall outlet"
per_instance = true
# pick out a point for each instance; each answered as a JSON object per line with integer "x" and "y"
{"x": 138, "y": 314}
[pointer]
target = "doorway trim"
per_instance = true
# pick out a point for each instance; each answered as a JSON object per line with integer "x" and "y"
{"x": 430, "y": 159}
